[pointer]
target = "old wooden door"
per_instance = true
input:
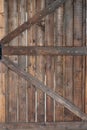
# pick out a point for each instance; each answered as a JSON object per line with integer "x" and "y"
{"x": 43, "y": 69}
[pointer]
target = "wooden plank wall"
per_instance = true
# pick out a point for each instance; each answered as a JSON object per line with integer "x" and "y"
{"x": 66, "y": 75}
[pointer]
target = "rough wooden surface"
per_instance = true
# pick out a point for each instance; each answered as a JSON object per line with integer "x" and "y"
{"x": 45, "y": 126}
{"x": 78, "y": 60}
{"x": 40, "y": 65}
{"x": 47, "y": 50}
{"x": 31, "y": 39}
{"x": 37, "y": 17}
{"x": 86, "y": 67}
{"x": 49, "y": 40}
{"x": 2, "y": 67}
{"x": 38, "y": 84}
{"x": 12, "y": 78}
{"x": 58, "y": 17}
{"x": 62, "y": 68}
{"x": 68, "y": 79}
{"x": 22, "y": 63}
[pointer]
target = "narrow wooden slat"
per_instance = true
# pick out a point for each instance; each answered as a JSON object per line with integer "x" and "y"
{"x": 40, "y": 65}
{"x": 47, "y": 50}
{"x": 59, "y": 109}
{"x": 37, "y": 17}
{"x": 22, "y": 63}
{"x": 68, "y": 83}
{"x": 31, "y": 40}
{"x": 2, "y": 67}
{"x": 45, "y": 126}
{"x": 49, "y": 40}
{"x": 86, "y": 67}
{"x": 84, "y": 58}
{"x": 38, "y": 84}
{"x": 12, "y": 77}
{"x": 78, "y": 59}
{"x": 6, "y": 76}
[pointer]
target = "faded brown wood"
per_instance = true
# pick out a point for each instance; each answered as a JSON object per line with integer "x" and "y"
{"x": 32, "y": 99}
{"x": 49, "y": 40}
{"x": 59, "y": 109}
{"x": 2, "y": 8}
{"x": 78, "y": 60}
{"x": 12, "y": 77}
{"x": 6, "y": 76}
{"x": 47, "y": 50}
{"x": 68, "y": 80}
{"x": 40, "y": 65}
{"x": 31, "y": 8}
{"x": 36, "y": 18}
{"x": 45, "y": 126}
{"x": 2, "y": 67}
{"x": 86, "y": 67}
{"x": 84, "y": 58}
{"x": 38, "y": 84}
{"x": 22, "y": 63}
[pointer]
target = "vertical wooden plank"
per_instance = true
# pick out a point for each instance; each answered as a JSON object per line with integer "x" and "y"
{"x": 68, "y": 81}
{"x": 78, "y": 59}
{"x": 40, "y": 66}
{"x": 6, "y": 76}
{"x": 49, "y": 40}
{"x": 84, "y": 58}
{"x": 2, "y": 67}
{"x": 2, "y": 94}
{"x": 59, "y": 109}
{"x": 12, "y": 77}
{"x": 31, "y": 6}
{"x": 22, "y": 63}
{"x": 86, "y": 66}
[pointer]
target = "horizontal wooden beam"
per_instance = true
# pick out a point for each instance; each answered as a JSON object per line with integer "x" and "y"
{"x": 34, "y": 50}
{"x": 44, "y": 126}
{"x": 38, "y": 84}
{"x": 36, "y": 18}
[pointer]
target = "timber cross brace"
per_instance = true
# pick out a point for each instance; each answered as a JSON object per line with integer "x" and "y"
{"x": 4, "y": 50}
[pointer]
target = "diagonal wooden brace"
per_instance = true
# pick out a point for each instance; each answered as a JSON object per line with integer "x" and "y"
{"x": 38, "y": 84}
{"x": 35, "y": 19}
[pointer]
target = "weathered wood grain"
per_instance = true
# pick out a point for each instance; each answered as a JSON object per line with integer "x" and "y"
{"x": 31, "y": 41}
{"x": 47, "y": 50}
{"x": 35, "y": 50}
{"x": 45, "y": 126}
{"x": 78, "y": 59}
{"x": 6, "y": 76}
{"x": 12, "y": 77}
{"x": 38, "y": 84}
{"x": 83, "y": 58}
{"x": 86, "y": 67}
{"x": 2, "y": 67}
{"x": 40, "y": 65}
{"x": 68, "y": 79}
{"x": 22, "y": 63}
{"x": 49, "y": 40}
{"x": 36, "y": 18}
{"x": 58, "y": 26}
